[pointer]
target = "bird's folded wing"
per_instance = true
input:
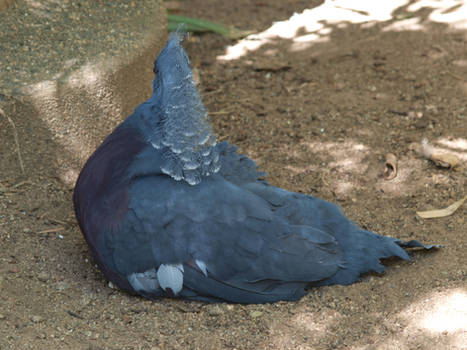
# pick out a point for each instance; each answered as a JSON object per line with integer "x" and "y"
{"x": 242, "y": 244}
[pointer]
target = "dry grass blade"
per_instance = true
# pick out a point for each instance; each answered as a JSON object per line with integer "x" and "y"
{"x": 15, "y": 135}
{"x": 58, "y": 229}
{"x": 219, "y": 112}
{"x": 19, "y": 184}
{"x": 441, "y": 213}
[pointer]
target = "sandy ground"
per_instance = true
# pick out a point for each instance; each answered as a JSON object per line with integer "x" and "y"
{"x": 319, "y": 109}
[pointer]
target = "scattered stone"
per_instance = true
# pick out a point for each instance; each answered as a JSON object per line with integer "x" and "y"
{"x": 85, "y": 300}
{"x": 61, "y": 286}
{"x": 43, "y": 276}
{"x": 215, "y": 310}
{"x": 36, "y": 318}
{"x": 256, "y": 314}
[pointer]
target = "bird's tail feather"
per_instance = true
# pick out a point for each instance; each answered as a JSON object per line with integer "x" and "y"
{"x": 367, "y": 250}
{"x": 416, "y": 244}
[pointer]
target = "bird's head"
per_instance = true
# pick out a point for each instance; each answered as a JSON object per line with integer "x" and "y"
{"x": 182, "y": 128}
{"x": 172, "y": 66}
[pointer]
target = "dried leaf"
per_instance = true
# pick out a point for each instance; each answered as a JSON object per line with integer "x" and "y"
{"x": 441, "y": 213}
{"x": 391, "y": 166}
{"x": 442, "y": 160}
{"x": 445, "y": 160}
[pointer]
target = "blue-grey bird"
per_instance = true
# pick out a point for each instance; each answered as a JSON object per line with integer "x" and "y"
{"x": 168, "y": 211}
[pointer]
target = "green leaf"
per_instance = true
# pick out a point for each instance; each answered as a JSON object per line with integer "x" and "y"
{"x": 200, "y": 25}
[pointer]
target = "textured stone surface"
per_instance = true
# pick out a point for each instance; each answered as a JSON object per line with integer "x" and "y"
{"x": 5, "y": 4}
{"x": 76, "y": 69}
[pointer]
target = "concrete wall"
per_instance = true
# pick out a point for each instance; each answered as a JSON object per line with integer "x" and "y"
{"x": 62, "y": 113}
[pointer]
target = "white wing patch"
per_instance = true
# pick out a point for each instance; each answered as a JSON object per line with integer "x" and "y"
{"x": 170, "y": 276}
{"x": 145, "y": 281}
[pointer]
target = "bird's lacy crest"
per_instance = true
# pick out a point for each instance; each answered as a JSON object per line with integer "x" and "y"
{"x": 183, "y": 131}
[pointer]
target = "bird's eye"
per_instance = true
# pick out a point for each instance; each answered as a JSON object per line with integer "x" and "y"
{"x": 155, "y": 70}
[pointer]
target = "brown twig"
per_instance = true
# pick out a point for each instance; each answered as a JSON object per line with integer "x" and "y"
{"x": 14, "y": 188}
{"x": 25, "y": 182}
{"x": 73, "y": 314}
{"x": 15, "y": 135}
{"x": 50, "y": 230}
{"x": 440, "y": 49}
{"x": 455, "y": 76}
{"x": 59, "y": 221}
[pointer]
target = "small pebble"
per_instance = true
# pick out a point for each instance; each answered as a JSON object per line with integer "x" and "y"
{"x": 215, "y": 311}
{"x": 256, "y": 314}
{"x": 61, "y": 286}
{"x": 36, "y": 318}
{"x": 43, "y": 276}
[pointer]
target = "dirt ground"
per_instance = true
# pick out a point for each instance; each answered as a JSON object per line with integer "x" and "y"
{"x": 319, "y": 116}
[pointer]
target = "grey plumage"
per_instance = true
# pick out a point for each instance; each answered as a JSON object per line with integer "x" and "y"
{"x": 183, "y": 132}
{"x": 167, "y": 211}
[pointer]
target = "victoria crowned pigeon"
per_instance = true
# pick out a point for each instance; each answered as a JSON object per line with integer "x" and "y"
{"x": 169, "y": 212}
